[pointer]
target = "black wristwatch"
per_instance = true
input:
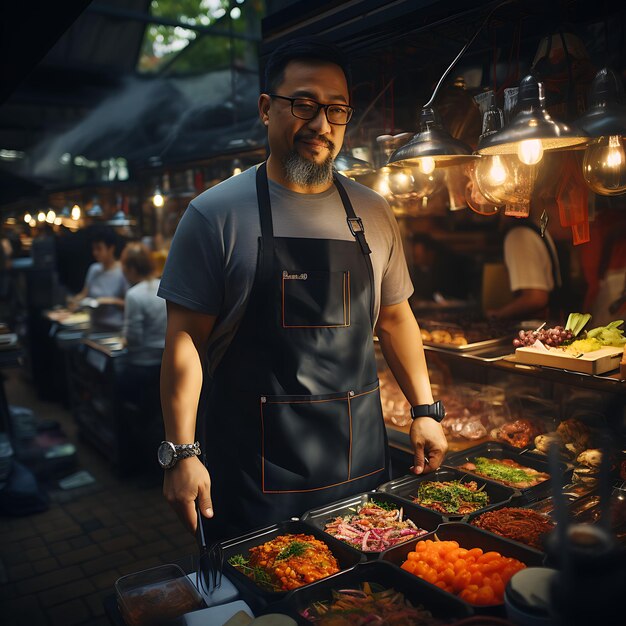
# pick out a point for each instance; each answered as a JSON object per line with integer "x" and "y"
{"x": 435, "y": 410}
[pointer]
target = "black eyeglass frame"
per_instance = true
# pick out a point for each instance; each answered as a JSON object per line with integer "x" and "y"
{"x": 319, "y": 106}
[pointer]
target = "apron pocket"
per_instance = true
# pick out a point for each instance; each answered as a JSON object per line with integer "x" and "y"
{"x": 315, "y": 299}
{"x": 368, "y": 432}
{"x": 317, "y": 442}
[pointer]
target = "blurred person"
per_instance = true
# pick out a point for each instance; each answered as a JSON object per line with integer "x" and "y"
{"x": 104, "y": 283}
{"x": 534, "y": 273}
{"x": 145, "y": 314}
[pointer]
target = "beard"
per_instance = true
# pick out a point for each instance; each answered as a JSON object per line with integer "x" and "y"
{"x": 301, "y": 171}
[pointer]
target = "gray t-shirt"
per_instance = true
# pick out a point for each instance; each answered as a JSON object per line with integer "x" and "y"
{"x": 211, "y": 264}
{"x": 145, "y": 320}
{"x": 106, "y": 283}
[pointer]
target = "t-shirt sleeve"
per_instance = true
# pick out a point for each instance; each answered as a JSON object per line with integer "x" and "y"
{"x": 193, "y": 276}
{"x": 92, "y": 271}
{"x": 396, "y": 284}
{"x": 133, "y": 321}
{"x": 527, "y": 260}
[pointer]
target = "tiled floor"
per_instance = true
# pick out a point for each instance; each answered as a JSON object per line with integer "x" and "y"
{"x": 56, "y": 566}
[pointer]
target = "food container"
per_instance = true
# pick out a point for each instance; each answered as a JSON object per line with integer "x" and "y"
{"x": 469, "y": 537}
{"x": 156, "y": 595}
{"x": 421, "y": 517}
{"x": 495, "y": 450}
{"x": 257, "y": 597}
{"x": 407, "y": 486}
{"x": 537, "y": 507}
{"x": 415, "y": 590}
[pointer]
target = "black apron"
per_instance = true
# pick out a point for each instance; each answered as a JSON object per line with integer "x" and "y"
{"x": 294, "y": 413}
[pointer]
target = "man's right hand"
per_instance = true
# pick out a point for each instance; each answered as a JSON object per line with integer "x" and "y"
{"x": 184, "y": 484}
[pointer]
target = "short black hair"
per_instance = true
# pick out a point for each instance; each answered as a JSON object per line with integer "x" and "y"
{"x": 105, "y": 235}
{"x": 303, "y": 49}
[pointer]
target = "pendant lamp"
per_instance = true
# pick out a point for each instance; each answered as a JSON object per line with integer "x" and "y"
{"x": 433, "y": 146}
{"x": 349, "y": 165}
{"x": 604, "y": 164}
{"x": 532, "y": 130}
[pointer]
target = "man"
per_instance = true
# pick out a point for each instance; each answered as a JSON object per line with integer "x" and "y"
{"x": 270, "y": 282}
{"x": 104, "y": 282}
{"x": 534, "y": 275}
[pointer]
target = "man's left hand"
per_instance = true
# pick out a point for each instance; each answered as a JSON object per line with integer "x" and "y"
{"x": 429, "y": 445}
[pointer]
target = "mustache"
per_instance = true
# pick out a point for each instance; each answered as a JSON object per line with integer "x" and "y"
{"x": 327, "y": 142}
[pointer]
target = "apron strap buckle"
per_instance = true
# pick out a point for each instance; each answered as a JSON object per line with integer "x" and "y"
{"x": 358, "y": 232}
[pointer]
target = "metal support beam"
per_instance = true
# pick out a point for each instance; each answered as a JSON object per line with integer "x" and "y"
{"x": 138, "y": 16}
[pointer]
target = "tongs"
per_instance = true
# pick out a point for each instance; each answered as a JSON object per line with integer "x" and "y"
{"x": 210, "y": 560}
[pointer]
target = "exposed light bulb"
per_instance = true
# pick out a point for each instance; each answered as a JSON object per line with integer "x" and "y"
{"x": 50, "y": 216}
{"x": 382, "y": 184}
{"x": 400, "y": 182}
{"x": 530, "y": 151}
{"x": 32, "y": 223}
{"x": 28, "y": 217}
{"x": 490, "y": 175}
{"x": 75, "y": 212}
{"x": 41, "y": 216}
{"x": 427, "y": 165}
{"x": 58, "y": 221}
{"x": 604, "y": 166}
{"x": 158, "y": 200}
{"x": 504, "y": 179}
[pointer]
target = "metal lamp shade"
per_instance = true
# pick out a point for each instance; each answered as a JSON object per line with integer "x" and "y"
{"x": 607, "y": 113}
{"x": 531, "y": 122}
{"x": 432, "y": 141}
{"x": 346, "y": 164}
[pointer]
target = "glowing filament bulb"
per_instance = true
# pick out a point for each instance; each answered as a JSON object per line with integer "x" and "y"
{"x": 158, "y": 200}
{"x": 497, "y": 172}
{"x": 530, "y": 151}
{"x": 41, "y": 216}
{"x": 75, "y": 212}
{"x": 28, "y": 217}
{"x": 427, "y": 165}
{"x": 615, "y": 156}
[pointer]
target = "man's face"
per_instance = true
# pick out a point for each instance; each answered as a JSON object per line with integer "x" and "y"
{"x": 313, "y": 140}
{"x": 101, "y": 252}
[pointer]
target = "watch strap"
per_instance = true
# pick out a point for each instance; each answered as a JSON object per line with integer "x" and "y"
{"x": 434, "y": 410}
{"x": 185, "y": 450}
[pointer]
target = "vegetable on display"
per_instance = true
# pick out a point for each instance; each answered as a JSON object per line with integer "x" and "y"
{"x": 370, "y": 604}
{"x": 452, "y": 496}
{"x": 505, "y": 471}
{"x": 375, "y": 527}
{"x": 475, "y": 576}
{"x": 287, "y": 562}
{"x": 523, "y": 525}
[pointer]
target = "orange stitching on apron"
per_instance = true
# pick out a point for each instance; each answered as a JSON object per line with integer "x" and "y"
{"x": 380, "y": 469}
{"x": 350, "y": 445}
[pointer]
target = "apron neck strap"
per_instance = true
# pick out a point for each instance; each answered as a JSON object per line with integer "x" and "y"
{"x": 354, "y": 223}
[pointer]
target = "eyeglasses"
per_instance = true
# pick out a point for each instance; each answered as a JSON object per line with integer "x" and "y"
{"x": 306, "y": 109}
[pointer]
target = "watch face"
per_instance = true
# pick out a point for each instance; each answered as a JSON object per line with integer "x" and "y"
{"x": 166, "y": 454}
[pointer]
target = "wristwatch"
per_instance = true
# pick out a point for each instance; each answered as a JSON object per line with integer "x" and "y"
{"x": 435, "y": 410}
{"x": 170, "y": 453}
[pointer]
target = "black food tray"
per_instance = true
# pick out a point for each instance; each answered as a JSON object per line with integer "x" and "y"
{"x": 422, "y": 518}
{"x": 406, "y": 486}
{"x": 257, "y": 597}
{"x": 469, "y": 537}
{"x": 496, "y": 450}
{"x": 417, "y": 591}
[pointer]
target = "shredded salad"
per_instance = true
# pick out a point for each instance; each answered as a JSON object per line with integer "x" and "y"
{"x": 374, "y": 527}
{"x": 452, "y": 496}
{"x": 371, "y": 604}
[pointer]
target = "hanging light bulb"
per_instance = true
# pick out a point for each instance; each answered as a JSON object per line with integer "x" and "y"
{"x": 50, "y": 216}
{"x": 530, "y": 151}
{"x": 32, "y": 223}
{"x": 41, "y": 216}
{"x": 28, "y": 217}
{"x": 490, "y": 174}
{"x": 427, "y": 165}
{"x": 604, "y": 166}
{"x": 75, "y": 213}
{"x": 382, "y": 183}
{"x": 401, "y": 182}
{"x": 158, "y": 200}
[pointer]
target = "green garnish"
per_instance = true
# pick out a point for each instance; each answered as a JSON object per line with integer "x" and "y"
{"x": 258, "y": 574}
{"x": 387, "y": 506}
{"x": 450, "y": 495}
{"x": 295, "y": 548}
{"x": 496, "y": 470}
